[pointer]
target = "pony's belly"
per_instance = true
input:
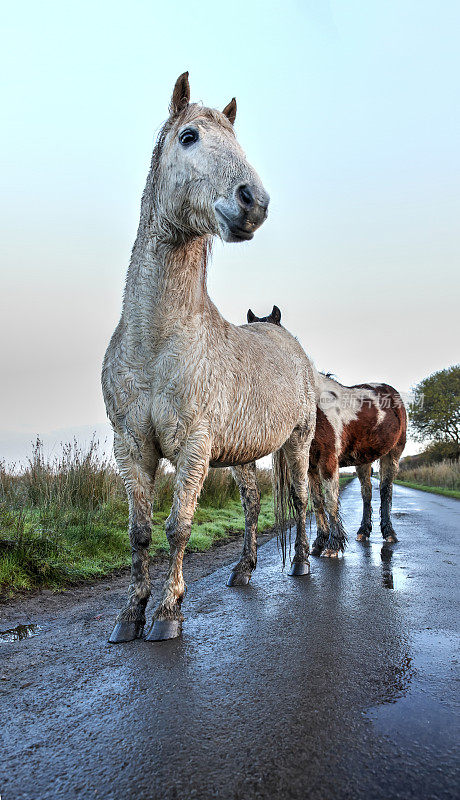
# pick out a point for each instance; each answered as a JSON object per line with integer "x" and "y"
{"x": 363, "y": 456}
{"x": 260, "y": 426}
{"x": 222, "y": 464}
{"x": 238, "y": 451}
{"x": 239, "y": 459}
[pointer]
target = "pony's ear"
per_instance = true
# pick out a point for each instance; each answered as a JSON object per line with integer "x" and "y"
{"x": 230, "y": 110}
{"x": 251, "y": 316}
{"x": 181, "y": 95}
{"x": 276, "y": 315}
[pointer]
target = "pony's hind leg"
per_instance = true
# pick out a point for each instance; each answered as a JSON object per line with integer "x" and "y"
{"x": 364, "y": 474}
{"x": 139, "y": 486}
{"x": 337, "y": 537}
{"x": 191, "y": 472}
{"x": 322, "y": 522}
{"x": 389, "y": 465}
{"x": 246, "y": 478}
{"x": 296, "y": 452}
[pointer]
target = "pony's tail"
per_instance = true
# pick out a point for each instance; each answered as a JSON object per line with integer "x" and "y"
{"x": 282, "y": 499}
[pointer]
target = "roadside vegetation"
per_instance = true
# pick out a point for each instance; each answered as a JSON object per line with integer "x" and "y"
{"x": 65, "y": 520}
{"x": 434, "y": 417}
{"x": 441, "y": 478}
{"x": 434, "y": 414}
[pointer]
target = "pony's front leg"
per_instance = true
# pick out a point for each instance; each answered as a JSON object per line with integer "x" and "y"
{"x": 246, "y": 478}
{"x": 139, "y": 486}
{"x": 191, "y": 472}
{"x": 388, "y": 470}
{"x": 322, "y": 522}
{"x": 364, "y": 475}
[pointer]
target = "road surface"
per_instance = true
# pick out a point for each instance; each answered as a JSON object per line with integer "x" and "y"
{"x": 341, "y": 684}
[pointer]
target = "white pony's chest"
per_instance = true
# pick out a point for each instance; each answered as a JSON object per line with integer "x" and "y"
{"x": 178, "y": 396}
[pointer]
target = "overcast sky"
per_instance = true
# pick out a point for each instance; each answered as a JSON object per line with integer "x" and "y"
{"x": 348, "y": 110}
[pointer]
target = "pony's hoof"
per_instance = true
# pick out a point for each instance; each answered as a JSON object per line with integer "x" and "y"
{"x": 391, "y": 538}
{"x": 126, "y": 632}
{"x": 164, "y": 629}
{"x": 299, "y": 568}
{"x": 315, "y": 550}
{"x": 238, "y": 579}
{"x": 362, "y": 536}
{"x": 328, "y": 553}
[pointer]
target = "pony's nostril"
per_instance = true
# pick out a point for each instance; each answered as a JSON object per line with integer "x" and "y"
{"x": 245, "y": 196}
{"x": 264, "y": 202}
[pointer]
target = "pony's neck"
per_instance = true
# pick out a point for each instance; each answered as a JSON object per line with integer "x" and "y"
{"x": 166, "y": 282}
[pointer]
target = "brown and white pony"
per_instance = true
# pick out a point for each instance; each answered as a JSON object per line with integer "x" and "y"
{"x": 355, "y": 425}
{"x": 179, "y": 381}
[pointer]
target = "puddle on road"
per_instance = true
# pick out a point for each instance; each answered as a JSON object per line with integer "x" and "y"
{"x": 383, "y": 556}
{"x": 418, "y": 719}
{"x": 424, "y": 712}
{"x": 19, "y": 632}
{"x": 393, "y": 576}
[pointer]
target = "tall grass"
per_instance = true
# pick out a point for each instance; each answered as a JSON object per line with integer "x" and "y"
{"x": 66, "y": 518}
{"x": 445, "y": 474}
{"x": 50, "y": 514}
{"x": 85, "y": 479}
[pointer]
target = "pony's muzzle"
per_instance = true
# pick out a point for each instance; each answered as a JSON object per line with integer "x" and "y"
{"x": 245, "y": 197}
{"x": 239, "y": 217}
{"x": 253, "y": 204}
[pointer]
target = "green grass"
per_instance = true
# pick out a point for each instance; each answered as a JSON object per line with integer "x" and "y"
{"x": 78, "y": 549}
{"x": 66, "y": 521}
{"x": 433, "y": 489}
{"x": 345, "y": 478}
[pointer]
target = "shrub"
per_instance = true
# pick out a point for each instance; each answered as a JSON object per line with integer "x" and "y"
{"x": 445, "y": 474}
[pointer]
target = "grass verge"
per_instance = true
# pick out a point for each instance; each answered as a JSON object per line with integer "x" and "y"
{"x": 433, "y": 489}
{"x": 345, "y": 478}
{"x": 66, "y": 521}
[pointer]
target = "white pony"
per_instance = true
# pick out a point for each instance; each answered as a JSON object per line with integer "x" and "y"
{"x": 179, "y": 381}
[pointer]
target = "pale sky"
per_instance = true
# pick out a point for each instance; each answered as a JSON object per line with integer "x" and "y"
{"x": 348, "y": 110}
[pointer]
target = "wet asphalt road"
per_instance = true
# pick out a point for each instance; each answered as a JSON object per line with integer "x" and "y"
{"x": 342, "y": 684}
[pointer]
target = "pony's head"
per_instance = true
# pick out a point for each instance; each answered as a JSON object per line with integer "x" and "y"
{"x": 202, "y": 183}
{"x": 274, "y": 317}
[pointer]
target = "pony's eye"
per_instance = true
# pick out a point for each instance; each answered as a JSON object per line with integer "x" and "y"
{"x": 189, "y": 136}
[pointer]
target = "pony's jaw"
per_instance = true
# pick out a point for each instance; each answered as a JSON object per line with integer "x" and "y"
{"x": 237, "y": 221}
{"x": 228, "y": 229}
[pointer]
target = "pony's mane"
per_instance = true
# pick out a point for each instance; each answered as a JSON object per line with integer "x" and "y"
{"x": 194, "y": 110}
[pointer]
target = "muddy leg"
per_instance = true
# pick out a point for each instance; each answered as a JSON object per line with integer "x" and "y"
{"x": 246, "y": 479}
{"x": 389, "y": 465}
{"x": 364, "y": 474}
{"x": 297, "y": 456}
{"x": 322, "y": 522}
{"x": 190, "y": 474}
{"x": 139, "y": 486}
{"x": 337, "y": 537}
